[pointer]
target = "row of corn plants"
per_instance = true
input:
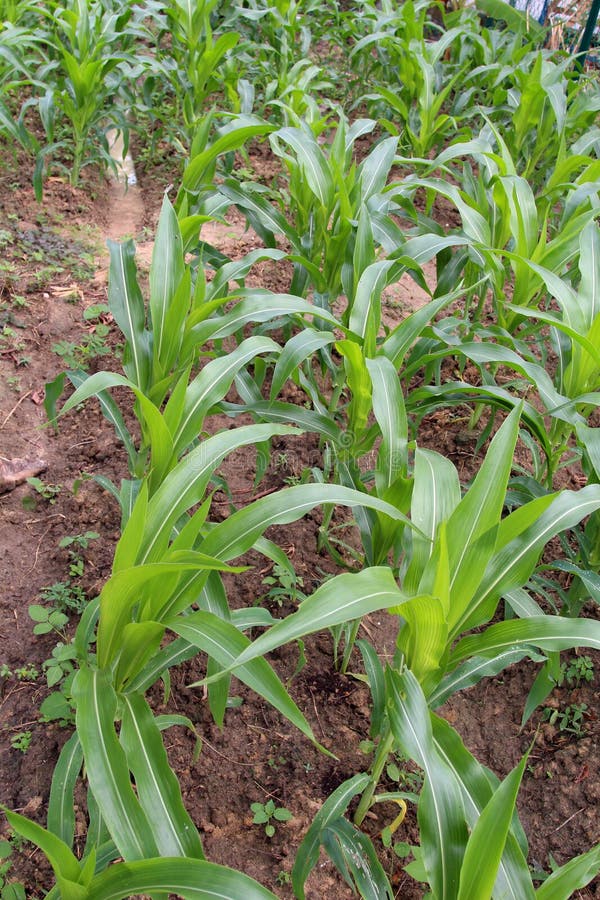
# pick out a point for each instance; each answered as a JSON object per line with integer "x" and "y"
{"x": 71, "y": 71}
{"x": 497, "y": 128}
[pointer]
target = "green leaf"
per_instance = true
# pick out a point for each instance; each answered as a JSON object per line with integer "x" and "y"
{"x": 367, "y": 591}
{"x": 436, "y": 494}
{"x": 354, "y": 856}
{"x": 423, "y": 638}
{"x": 331, "y": 810}
{"x": 255, "y": 306}
{"x": 210, "y": 386}
{"x": 186, "y": 483}
{"x": 157, "y": 787}
{"x": 223, "y": 642}
{"x": 282, "y": 815}
{"x": 487, "y": 839}
{"x": 127, "y": 587}
{"x": 546, "y": 632}
{"x": 476, "y": 668}
{"x": 112, "y": 413}
{"x": 374, "y": 169}
{"x": 106, "y": 765}
{"x": 52, "y": 391}
{"x": 389, "y": 411}
{"x": 160, "y": 437}
{"x": 477, "y": 784}
{"x": 519, "y": 545}
{"x": 571, "y": 877}
{"x": 127, "y": 306}
{"x": 192, "y": 879}
{"x": 238, "y": 533}
{"x": 166, "y": 272}
{"x": 139, "y": 641}
{"x": 61, "y": 813}
{"x": 374, "y": 673}
{"x": 440, "y": 812}
{"x": 243, "y": 128}
{"x": 65, "y": 864}
{"x": 359, "y": 382}
{"x": 311, "y": 159}
{"x": 300, "y": 347}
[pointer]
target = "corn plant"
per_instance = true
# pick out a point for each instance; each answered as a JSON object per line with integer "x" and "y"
{"x": 501, "y": 213}
{"x": 193, "y": 63}
{"x": 212, "y": 144}
{"x": 164, "y": 341}
{"x": 460, "y": 560}
{"x": 327, "y": 196}
{"x": 544, "y": 110}
{"x": 422, "y": 85}
{"x": 88, "y": 69}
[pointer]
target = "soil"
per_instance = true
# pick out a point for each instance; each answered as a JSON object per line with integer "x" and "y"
{"x": 57, "y": 264}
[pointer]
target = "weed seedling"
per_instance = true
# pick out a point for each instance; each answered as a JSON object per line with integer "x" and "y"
{"x": 21, "y": 741}
{"x": 569, "y": 720}
{"x": 47, "y": 620}
{"x": 9, "y": 890}
{"x": 576, "y": 671}
{"x": 79, "y": 356}
{"x": 60, "y": 665}
{"x": 79, "y": 540}
{"x": 47, "y": 492}
{"x": 283, "y": 585}
{"x": 27, "y": 673}
{"x": 265, "y": 812}
{"x": 66, "y": 596}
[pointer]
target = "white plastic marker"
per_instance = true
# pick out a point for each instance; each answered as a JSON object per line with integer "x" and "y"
{"x": 124, "y": 161}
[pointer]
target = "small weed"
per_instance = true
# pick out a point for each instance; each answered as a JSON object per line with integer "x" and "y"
{"x": 60, "y": 664}
{"x": 276, "y": 760}
{"x": 576, "y": 671}
{"x": 27, "y": 673}
{"x": 21, "y": 741}
{"x": 47, "y": 620}
{"x": 14, "y": 383}
{"x": 66, "y": 596}
{"x": 23, "y": 673}
{"x": 95, "y": 311}
{"x": 46, "y": 491}
{"x": 283, "y": 878}
{"x": 265, "y": 812}
{"x": 283, "y": 585}
{"x": 9, "y": 890}
{"x": 397, "y": 772}
{"x": 79, "y": 356}
{"x": 79, "y": 540}
{"x": 569, "y": 720}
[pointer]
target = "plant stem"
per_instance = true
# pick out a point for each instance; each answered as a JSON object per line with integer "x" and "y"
{"x": 384, "y": 749}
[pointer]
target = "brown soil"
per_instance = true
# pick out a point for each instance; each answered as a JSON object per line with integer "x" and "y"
{"x": 257, "y": 755}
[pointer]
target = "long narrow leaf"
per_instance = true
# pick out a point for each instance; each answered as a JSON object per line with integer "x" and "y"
{"x": 440, "y": 813}
{"x": 106, "y": 766}
{"x": 157, "y": 787}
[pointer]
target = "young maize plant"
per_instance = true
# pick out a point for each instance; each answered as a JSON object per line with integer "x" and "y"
{"x": 328, "y": 195}
{"x": 461, "y": 559}
{"x": 194, "y": 59}
{"x": 91, "y": 67}
{"x": 439, "y": 559}
{"x": 501, "y": 216}
{"x": 423, "y": 85}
